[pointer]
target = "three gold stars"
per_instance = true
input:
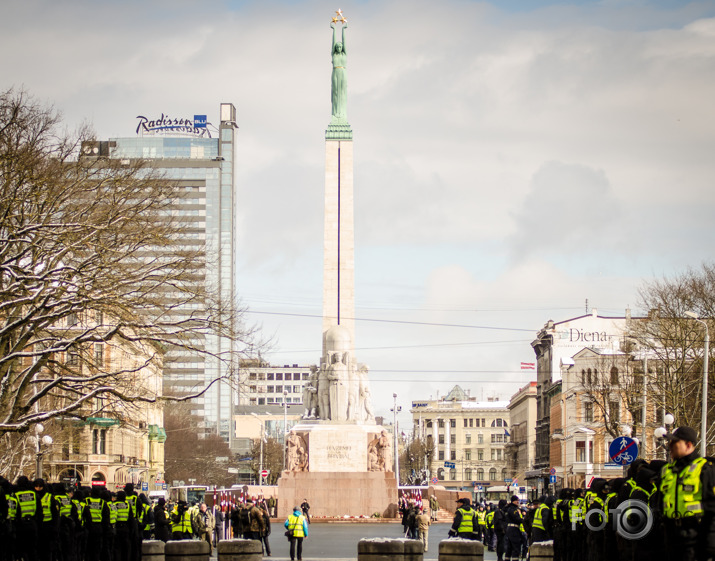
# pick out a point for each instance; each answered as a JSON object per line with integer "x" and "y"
{"x": 339, "y": 17}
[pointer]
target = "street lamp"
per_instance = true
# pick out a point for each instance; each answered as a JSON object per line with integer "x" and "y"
{"x": 395, "y": 410}
{"x": 704, "y": 412}
{"x": 260, "y": 468}
{"x": 46, "y": 440}
{"x": 285, "y": 425}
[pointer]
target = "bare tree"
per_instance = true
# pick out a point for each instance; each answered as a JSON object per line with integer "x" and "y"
{"x": 272, "y": 459}
{"x": 676, "y": 342}
{"x": 91, "y": 252}
{"x": 186, "y": 455}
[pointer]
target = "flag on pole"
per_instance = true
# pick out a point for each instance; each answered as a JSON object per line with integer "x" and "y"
{"x": 528, "y": 366}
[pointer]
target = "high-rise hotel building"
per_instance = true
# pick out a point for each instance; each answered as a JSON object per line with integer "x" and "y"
{"x": 200, "y": 158}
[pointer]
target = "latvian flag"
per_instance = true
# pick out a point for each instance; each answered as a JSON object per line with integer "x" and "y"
{"x": 528, "y": 366}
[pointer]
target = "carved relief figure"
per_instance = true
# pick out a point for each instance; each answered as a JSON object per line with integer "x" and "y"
{"x": 296, "y": 453}
{"x": 383, "y": 452}
{"x": 378, "y": 453}
{"x": 338, "y": 377}
{"x": 365, "y": 400}
{"x": 310, "y": 394}
{"x": 323, "y": 394}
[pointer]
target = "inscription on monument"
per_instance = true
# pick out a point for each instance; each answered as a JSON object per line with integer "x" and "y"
{"x": 339, "y": 452}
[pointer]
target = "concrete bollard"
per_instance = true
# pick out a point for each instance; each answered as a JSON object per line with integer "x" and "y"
{"x": 386, "y": 549}
{"x": 186, "y": 550}
{"x": 239, "y": 550}
{"x": 457, "y": 549}
{"x": 153, "y": 550}
{"x": 541, "y": 551}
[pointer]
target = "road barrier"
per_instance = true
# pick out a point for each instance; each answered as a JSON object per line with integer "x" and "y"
{"x": 385, "y": 549}
{"x": 457, "y": 549}
{"x": 152, "y": 550}
{"x": 187, "y": 550}
{"x": 541, "y": 551}
{"x": 239, "y": 550}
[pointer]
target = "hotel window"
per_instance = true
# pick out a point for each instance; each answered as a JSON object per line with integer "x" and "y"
{"x": 440, "y": 423}
{"x": 453, "y": 438}
{"x": 614, "y": 376}
{"x": 269, "y": 376}
{"x": 480, "y": 474}
{"x": 279, "y": 389}
{"x": 296, "y": 389}
{"x": 453, "y": 474}
{"x": 288, "y": 376}
{"x": 279, "y": 375}
{"x": 480, "y": 438}
{"x": 465, "y": 423}
{"x": 269, "y": 389}
{"x": 468, "y": 455}
{"x": 480, "y": 454}
{"x": 440, "y": 456}
{"x": 453, "y": 455}
{"x": 468, "y": 474}
{"x": 441, "y": 439}
{"x": 453, "y": 423}
{"x": 468, "y": 438}
{"x": 493, "y": 474}
{"x": 471, "y": 423}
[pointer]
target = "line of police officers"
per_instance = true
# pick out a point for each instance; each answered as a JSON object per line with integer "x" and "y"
{"x": 47, "y": 522}
{"x": 659, "y": 511}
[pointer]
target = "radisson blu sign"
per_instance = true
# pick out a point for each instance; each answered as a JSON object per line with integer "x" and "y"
{"x": 164, "y": 124}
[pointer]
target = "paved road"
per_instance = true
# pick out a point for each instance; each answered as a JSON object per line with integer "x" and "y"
{"x": 338, "y": 541}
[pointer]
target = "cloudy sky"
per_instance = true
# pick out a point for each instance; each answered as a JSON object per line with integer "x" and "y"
{"x": 513, "y": 159}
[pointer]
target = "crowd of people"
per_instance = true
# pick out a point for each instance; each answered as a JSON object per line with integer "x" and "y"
{"x": 659, "y": 511}
{"x": 51, "y": 522}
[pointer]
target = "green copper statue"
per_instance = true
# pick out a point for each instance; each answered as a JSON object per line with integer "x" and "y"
{"x": 339, "y": 80}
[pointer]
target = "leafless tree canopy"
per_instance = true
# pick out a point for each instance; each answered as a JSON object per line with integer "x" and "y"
{"x": 675, "y": 342}
{"x": 90, "y": 253}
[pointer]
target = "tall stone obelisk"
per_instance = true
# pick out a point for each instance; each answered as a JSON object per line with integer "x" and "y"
{"x": 337, "y": 456}
{"x": 339, "y": 241}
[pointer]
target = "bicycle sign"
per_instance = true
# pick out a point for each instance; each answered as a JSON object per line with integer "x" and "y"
{"x": 623, "y": 450}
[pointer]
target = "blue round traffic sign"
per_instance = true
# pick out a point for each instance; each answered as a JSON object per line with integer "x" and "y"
{"x": 623, "y": 450}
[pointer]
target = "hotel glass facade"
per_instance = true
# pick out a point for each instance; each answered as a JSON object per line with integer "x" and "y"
{"x": 203, "y": 169}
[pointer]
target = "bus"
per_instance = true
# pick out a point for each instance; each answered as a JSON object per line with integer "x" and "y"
{"x": 191, "y": 494}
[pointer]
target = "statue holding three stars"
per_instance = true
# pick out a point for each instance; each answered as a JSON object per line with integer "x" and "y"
{"x": 339, "y": 80}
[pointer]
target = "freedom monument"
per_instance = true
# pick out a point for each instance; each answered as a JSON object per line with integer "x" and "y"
{"x": 337, "y": 457}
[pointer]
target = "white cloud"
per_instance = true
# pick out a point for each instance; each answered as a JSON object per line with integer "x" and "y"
{"x": 577, "y": 139}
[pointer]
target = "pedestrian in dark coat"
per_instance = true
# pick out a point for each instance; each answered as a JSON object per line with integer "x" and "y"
{"x": 162, "y": 528}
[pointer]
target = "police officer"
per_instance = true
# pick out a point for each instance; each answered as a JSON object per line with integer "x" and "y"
{"x": 541, "y": 526}
{"x": 123, "y": 526}
{"x": 687, "y": 488}
{"x": 514, "y": 518}
{"x": 481, "y": 528}
{"x": 66, "y": 522}
{"x": 96, "y": 520}
{"x": 464, "y": 521}
{"x": 27, "y": 519}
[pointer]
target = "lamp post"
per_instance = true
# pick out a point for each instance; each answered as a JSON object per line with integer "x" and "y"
{"x": 260, "y": 467}
{"x": 704, "y": 412}
{"x": 46, "y": 440}
{"x": 395, "y": 411}
{"x": 285, "y": 425}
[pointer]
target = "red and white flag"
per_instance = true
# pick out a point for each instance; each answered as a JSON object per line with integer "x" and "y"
{"x": 528, "y": 366}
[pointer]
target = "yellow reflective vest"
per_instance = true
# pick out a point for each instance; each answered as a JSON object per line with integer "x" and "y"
{"x": 682, "y": 492}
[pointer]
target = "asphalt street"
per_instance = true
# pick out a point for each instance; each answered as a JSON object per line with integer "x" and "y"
{"x": 338, "y": 541}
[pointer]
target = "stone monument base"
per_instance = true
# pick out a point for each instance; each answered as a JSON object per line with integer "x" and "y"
{"x": 337, "y": 494}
